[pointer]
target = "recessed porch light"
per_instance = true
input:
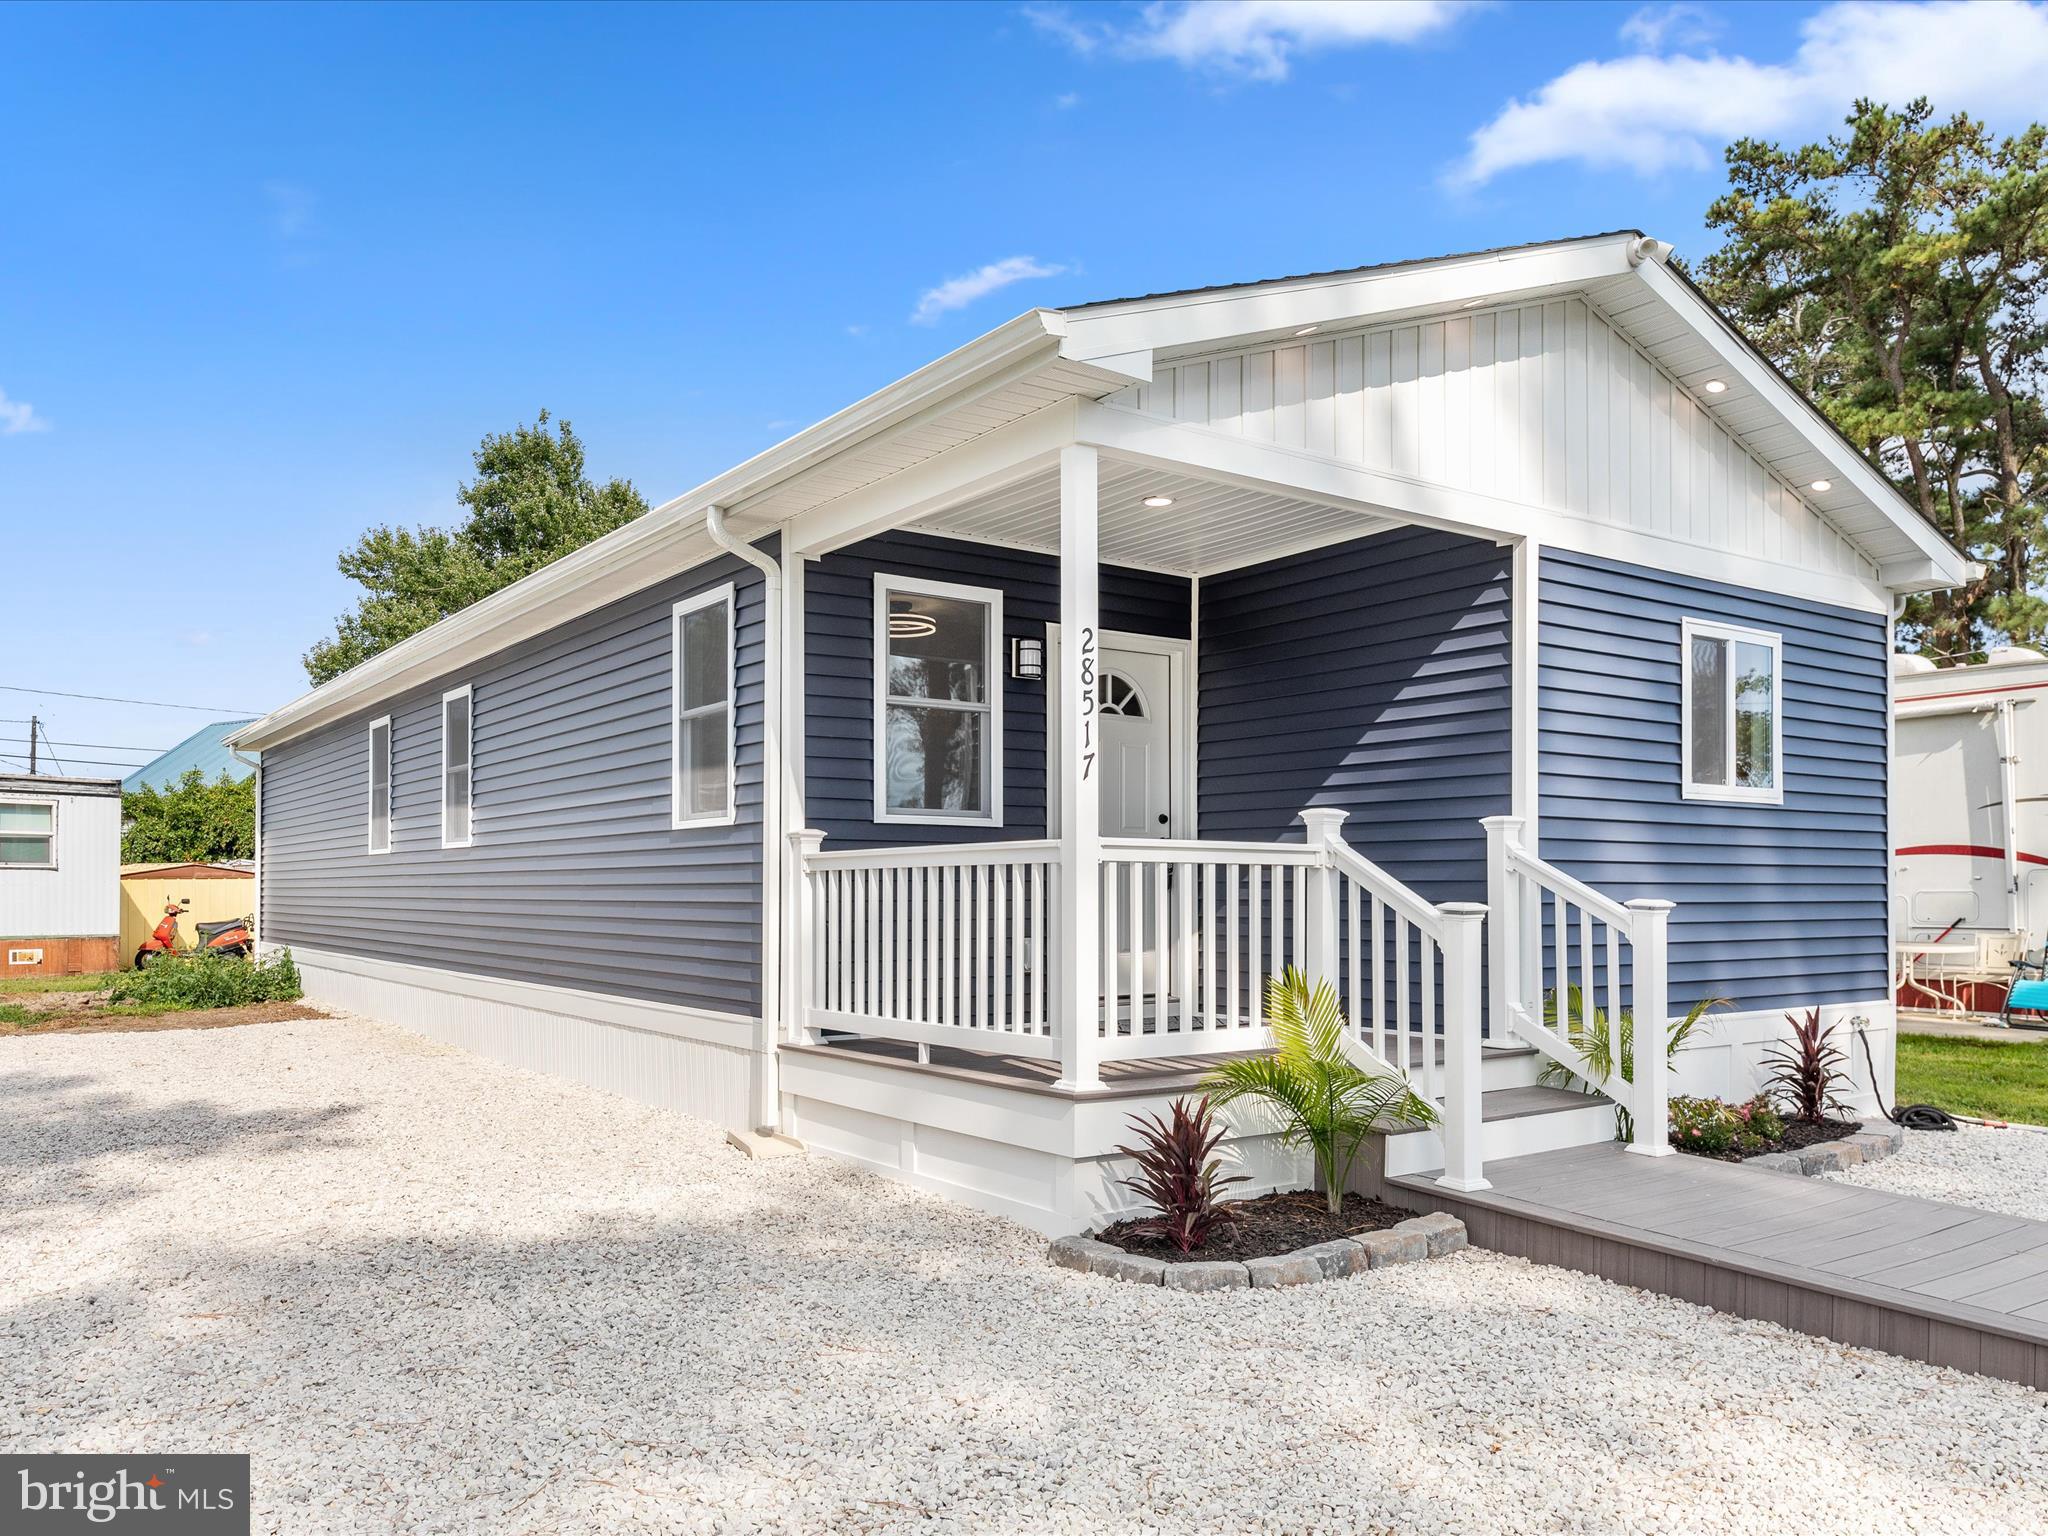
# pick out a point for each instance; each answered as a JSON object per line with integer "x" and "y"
{"x": 1158, "y": 501}
{"x": 1715, "y": 387}
{"x": 1823, "y": 485}
{"x": 1308, "y": 330}
{"x": 1472, "y": 304}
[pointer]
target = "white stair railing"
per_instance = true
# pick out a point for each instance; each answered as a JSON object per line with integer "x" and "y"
{"x": 1555, "y": 939}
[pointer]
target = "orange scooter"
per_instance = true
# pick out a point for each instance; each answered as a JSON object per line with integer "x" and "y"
{"x": 228, "y": 938}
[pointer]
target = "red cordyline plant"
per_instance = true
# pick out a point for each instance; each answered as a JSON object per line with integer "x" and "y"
{"x": 1806, "y": 1068}
{"x": 1179, "y": 1174}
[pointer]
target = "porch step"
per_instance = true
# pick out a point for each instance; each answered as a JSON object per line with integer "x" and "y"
{"x": 1517, "y": 1122}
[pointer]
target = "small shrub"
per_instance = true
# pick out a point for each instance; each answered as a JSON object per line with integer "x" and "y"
{"x": 1179, "y": 1174}
{"x": 175, "y": 982}
{"x": 1758, "y": 1125}
{"x": 1806, "y": 1069}
{"x": 1703, "y": 1125}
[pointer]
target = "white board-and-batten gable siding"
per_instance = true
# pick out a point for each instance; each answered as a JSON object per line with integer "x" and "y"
{"x": 1547, "y": 404}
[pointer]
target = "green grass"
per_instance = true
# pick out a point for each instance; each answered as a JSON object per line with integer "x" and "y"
{"x": 1994, "y": 1079}
{"x": 90, "y": 981}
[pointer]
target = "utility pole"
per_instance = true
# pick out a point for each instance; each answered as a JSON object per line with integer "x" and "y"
{"x": 33, "y": 725}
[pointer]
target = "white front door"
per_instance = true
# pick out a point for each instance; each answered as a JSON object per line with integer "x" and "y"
{"x": 1136, "y": 717}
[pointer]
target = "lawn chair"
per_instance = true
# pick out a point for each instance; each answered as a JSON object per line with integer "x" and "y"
{"x": 2026, "y": 993}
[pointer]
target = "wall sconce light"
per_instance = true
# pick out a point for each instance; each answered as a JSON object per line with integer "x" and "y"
{"x": 1027, "y": 659}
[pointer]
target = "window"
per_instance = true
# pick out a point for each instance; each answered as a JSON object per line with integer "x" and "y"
{"x": 28, "y": 834}
{"x": 938, "y": 703}
{"x": 380, "y": 785}
{"x": 455, "y": 768}
{"x": 701, "y": 763}
{"x": 1730, "y": 736}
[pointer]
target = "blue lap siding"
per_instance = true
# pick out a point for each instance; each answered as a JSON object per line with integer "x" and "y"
{"x": 1778, "y": 905}
{"x": 1372, "y": 677}
{"x": 839, "y": 676}
{"x": 575, "y": 876}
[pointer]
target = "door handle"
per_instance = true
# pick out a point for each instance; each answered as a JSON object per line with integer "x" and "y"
{"x": 1162, "y": 818}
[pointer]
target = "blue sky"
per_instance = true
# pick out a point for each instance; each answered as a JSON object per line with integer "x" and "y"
{"x": 268, "y": 274}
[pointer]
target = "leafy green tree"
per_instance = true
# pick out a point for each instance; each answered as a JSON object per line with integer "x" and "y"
{"x": 1897, "y": 272}
{"x": 192, "y": 821}
{"x": 530, "y": 503}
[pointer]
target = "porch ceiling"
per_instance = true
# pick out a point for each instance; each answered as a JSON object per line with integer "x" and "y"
{"x": 1210, "y": 527}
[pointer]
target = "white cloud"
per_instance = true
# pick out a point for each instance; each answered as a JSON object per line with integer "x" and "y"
{"x": 959, "y": 292}
{"x": 291, "y": 209}
{"x": 1254, "y": 38}
{"x": 1066, "y": 101}
{"x": 1653, "y": 111}
{"x": 18, "y": 416}
{"x": 1680, "y": 24}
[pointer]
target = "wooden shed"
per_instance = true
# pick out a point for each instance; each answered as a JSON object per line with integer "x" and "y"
{"x": 215, "y": 893}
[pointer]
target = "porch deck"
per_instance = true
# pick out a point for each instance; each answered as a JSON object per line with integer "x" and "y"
{"x": 1942, "y": 1283}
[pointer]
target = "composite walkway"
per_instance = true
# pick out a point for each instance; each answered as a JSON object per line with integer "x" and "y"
{"x": 1941, "y": 1283}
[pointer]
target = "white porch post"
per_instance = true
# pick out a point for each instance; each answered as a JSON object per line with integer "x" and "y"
{"x": 1650, "y": 1093}
{"x": 1078, "y": 935}
{"x": 1503, "y": 926}
{"x": 1464, "y": 1115}
{"x": 1318, "y": 917}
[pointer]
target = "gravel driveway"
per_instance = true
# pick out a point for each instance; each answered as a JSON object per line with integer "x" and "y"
{"x": 429, "y": 1293}
{"x": 1992, "y": 1168}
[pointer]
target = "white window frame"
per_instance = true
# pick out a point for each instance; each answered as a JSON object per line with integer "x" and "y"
{"x": 381, "y": 723}
{"x": 469, "y": 751}
{"x": 56, "y": 817}
{"x": 725, "y": 593}
{"x": 1730, "y": 792}
{"x": 997, "y": 672}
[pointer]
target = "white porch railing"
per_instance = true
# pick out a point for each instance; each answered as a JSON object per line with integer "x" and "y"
{"x": 949, "y": 945}
{"x": 1554, "y": 938}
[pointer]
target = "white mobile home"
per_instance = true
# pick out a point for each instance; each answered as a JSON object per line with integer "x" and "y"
{"x": 940, "y": 785}
{"x": 60, "y": 875}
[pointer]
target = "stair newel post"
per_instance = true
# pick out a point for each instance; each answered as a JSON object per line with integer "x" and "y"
{"x": 1464, "y": 1116}
{"x": 1649, "y": 1094}
{"x": 803, "y": 996}
{"x": 1320, "y": 952}
{"x": 1503, "y": 927}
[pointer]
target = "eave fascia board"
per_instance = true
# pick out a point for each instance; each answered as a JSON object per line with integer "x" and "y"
{"x": 1707, "y": 323}
{"x": 1210, "y": 317}
{"x": 1032, "y": 336}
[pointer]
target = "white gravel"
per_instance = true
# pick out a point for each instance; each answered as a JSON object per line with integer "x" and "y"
{"x": 432, "y": 1294}
{"x": 1994, "y": 1169}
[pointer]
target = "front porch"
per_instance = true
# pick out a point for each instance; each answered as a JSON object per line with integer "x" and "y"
{"x": 1005, "y": 896}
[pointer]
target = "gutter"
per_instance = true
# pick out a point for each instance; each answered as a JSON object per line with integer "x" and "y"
{"x": 767, "y": 1086}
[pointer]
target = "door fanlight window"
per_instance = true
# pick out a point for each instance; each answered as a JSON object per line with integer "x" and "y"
{"x": 1120, "y": 696}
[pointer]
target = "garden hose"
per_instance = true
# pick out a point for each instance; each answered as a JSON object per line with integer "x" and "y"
{"x": 1914, "y": 1117}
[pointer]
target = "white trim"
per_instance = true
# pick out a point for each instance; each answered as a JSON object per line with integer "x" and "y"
{"x": 56, "y": 817}
{"x": 468, "y": 764}
{"x": 1730, "y": 793}
{"x": 726, "y": 593}
{"x": 370, "y": 787}
{"x": 1525, "y": 762}
{"x": 1182, "y": 741}
{"x": 997, "y": 676}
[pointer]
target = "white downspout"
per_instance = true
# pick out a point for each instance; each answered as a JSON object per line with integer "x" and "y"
{"x": 768, "y": 1096}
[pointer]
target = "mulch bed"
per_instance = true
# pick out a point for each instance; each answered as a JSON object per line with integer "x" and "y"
{"x": 83, "y": 1021}
{"x": 1267, "y": 1227}
{"x": 1798, "y": 1133}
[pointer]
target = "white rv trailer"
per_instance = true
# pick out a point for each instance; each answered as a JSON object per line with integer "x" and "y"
{"x": 1969, "y": 813}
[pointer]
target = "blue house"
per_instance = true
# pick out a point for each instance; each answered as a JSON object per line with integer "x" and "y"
{"x": 941, "y": 785}
{"x": 205, "y": 749}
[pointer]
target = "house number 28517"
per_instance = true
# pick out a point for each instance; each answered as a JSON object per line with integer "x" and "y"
{"x": 1087, "y": 705}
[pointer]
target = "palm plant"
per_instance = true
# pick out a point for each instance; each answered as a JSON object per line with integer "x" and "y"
{"x": 1602, "y": 1054}
{"x": 1179, "y": 1173}
{"x": 1805, "y": 1069}
{"x": 1321, "y": 1098}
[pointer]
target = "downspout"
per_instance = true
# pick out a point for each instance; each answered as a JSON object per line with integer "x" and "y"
{"x": 255, "y": 766}
{"x": 767, "y": 1114}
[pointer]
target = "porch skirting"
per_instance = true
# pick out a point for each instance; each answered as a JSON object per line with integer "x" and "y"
{"x": 699, "y": 1063}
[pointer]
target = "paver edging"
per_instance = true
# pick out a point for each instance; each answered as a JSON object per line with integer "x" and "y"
{"x": 1407, "y": 1242}
{"x": 1863, "y": 1145}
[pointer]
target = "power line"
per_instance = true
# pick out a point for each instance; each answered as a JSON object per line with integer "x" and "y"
{"x": 101, "y": 698}
{"x": 103, "y": 746}
{"x": 97, "y": 762}
{"x": 40, "y": 729}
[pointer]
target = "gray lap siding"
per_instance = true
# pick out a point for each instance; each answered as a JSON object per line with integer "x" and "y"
{"x": 839, "y": 676}
{"x": 1778, "y": 905}
{"x": 575, "y": 876}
